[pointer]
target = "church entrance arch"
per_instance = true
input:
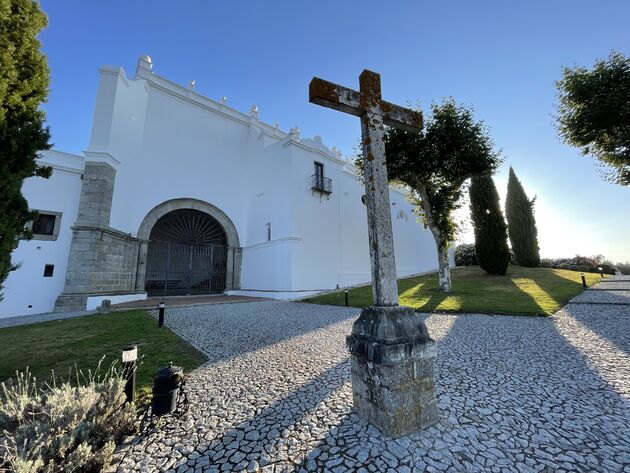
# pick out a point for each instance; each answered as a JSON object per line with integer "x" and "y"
{"x": 188, "y": 247}
{"x": 187, "y": 254}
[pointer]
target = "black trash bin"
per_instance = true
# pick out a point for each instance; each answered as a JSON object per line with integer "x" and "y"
{"x": 166, "y": 386}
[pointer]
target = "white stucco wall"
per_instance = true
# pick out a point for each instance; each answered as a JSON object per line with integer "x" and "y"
{"x": 335, "y": 240}
{"x": 191, "y": 147}
{"x": 26, "y": 290}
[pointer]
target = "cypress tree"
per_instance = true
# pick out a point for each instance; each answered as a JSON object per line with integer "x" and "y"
{"x": 491, "y": 245}
{"x": 519, "y": 211}
{"x": 23, "y": 87}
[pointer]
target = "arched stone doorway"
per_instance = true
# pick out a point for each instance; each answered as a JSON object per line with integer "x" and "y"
{"x": 188, "y": 247}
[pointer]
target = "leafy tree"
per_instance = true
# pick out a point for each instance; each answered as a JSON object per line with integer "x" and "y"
{"x": 435, "y": 164}
{"x": 23, "y": 87}
{"x": 594, "y": 113}
{"x": 493, "y": 252}
{"x": 519, "y": 211}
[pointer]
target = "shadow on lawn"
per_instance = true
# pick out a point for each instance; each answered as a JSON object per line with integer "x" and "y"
{"x": 475, "y": 291}
{"x": 434, "y": 301}
{"x": 544, "y": 294}
{"x": 563, "y": 289}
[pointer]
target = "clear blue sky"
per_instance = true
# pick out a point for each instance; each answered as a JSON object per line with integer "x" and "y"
{"x": 501, "y": 57}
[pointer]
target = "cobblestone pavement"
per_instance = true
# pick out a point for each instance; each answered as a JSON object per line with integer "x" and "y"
{"x": 515, "y": 394}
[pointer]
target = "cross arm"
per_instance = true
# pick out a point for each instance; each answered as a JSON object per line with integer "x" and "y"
{"x": 400, "y": 117}
{"x": 337, "y": 97}
{"x": 343, "y": 99}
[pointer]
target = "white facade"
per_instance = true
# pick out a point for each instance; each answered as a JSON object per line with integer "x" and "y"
{"x": 26, "y": 291}
{"x": 167, "y": 142}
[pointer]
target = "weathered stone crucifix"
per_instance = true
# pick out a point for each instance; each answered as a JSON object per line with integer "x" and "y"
{"x": 374, "y": 112}
{"x": 391, "y": 352}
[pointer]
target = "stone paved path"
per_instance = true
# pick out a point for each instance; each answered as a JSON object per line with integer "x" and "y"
{"x": 515, "y": 393}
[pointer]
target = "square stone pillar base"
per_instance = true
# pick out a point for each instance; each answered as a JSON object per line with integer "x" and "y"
{"x": 392, "y": 358}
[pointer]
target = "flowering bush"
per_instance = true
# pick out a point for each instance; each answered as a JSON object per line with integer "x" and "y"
{"x": 67, "y": 427}
{"x": 465, "y": 255}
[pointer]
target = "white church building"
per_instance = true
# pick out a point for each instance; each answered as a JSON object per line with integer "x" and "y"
{"x": 180, "y": 194}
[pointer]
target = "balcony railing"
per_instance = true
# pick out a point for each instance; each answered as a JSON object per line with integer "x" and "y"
{"x": 321, "y": 184}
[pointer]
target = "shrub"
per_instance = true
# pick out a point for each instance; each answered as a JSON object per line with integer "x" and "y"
{"x": 590, "y": 262}
{"x": 607, "y": 268}
{"x": 564, "y": 266}
{"x": 573, "y": 267}
{"x": 545, "y": 264}
{"x": 67, "y": 427}
{"x": 583, "y": 268}
{"x": 583, "y": 261}
{"x": 465, "y": 255}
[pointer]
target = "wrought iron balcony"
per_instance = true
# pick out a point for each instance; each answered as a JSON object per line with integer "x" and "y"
{"x": 321, "y": 184}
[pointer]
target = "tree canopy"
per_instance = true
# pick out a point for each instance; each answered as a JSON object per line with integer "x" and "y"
{"x": 23, "y": 87}
{"x": 452, "y": 148}
{"x": 594, "y": 113}
{"x": 436, "y": 163}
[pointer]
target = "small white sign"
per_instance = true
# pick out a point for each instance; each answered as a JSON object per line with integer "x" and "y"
{"x": 130, "y": 355}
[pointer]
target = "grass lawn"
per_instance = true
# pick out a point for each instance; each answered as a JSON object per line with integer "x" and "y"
{"x": 531, "y": 291}
{"x": 58, "y": 345}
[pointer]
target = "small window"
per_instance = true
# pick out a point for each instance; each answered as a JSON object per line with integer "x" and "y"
{"x": 44, "y": 224}
{"x": 49, "y": 269}
{"x": 269, "y": 232}
{"x": 47, "y": 225}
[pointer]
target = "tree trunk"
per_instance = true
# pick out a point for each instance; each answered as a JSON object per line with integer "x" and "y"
{"x": 444, "y": 268}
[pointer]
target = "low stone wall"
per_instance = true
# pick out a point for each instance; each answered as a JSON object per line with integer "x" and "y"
{"x": 102, "y": 261}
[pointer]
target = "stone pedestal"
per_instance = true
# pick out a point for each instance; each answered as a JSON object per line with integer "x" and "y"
{"x": 392, "y": 360}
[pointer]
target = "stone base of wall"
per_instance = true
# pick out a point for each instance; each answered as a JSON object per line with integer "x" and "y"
{"x": 392, "y": 359}
{"x": 70, "y": 302}
{"x": 101, "y": 261}
{"x": 76, "y": 302}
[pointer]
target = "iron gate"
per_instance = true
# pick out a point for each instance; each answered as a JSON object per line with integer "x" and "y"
{"x": 176, "y": 269}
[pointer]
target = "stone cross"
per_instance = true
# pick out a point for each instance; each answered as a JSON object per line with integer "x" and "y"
{"x": 391, "y": 353}
{"x": 374, "y": 112}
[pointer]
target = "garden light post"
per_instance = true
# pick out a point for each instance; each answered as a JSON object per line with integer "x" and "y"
{"x": 129, "y": 361}
{"x": 583, "y": 279}
{"x": 345, "y": 297}
{"x": 161, "y": 314}
{"x": 601, "y": 271}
